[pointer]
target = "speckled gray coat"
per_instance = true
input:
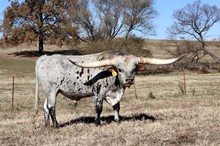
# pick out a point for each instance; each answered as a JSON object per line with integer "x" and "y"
{"x": 60, "y": 74}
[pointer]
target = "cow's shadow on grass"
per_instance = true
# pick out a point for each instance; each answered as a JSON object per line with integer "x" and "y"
{"x": 109, "y": 119}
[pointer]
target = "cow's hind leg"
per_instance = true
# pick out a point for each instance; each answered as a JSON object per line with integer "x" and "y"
{"x": 52, "y": 110}
{"x": 53, "y": 117}
{"x": 49, "y": 109}
{"x": 46, "y": 114}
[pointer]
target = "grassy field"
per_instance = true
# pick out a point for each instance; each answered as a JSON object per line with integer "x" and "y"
{"x": 161, "y": 114}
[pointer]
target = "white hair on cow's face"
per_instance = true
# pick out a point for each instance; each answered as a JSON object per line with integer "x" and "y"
{"x": 126, "y": 68}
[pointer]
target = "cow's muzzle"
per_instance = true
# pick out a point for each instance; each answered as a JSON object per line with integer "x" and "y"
{"x": 128, "y": 82}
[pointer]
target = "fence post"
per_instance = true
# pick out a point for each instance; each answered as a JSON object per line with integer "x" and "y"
{"x": 13, "y": 88}
{"x": 135, "y": 92}
{"x": 184, "y": 80}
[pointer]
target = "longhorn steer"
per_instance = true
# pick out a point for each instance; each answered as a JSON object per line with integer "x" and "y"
{"x": 103, "y": 75}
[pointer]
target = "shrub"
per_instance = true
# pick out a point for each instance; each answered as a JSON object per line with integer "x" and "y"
{"x": 131, "y": 45}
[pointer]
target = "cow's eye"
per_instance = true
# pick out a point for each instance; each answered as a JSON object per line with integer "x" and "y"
{"x": 119, "y": 70}
{"x": 133, "y": 70}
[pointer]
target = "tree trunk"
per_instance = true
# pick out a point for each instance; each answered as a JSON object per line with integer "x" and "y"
{"x": 41, "y": 46}
{"x": 41, "y": 38}
{"x": 206, "y": 51}
{"x": 211, "y": 54}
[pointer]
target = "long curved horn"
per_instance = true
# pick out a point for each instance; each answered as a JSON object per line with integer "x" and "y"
{"x": 145, "y": 60}
{"x": 102, "y": 63}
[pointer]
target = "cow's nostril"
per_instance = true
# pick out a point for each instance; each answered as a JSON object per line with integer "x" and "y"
{"x": 129, "y": 80}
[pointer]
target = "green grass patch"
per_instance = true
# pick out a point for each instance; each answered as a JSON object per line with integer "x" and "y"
{"x": 17, "y": 66}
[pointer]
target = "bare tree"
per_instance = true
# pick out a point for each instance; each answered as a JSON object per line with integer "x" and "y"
{"x": 196, "y": 20}
{"x": 106, "y": 19}
{"x": 138, "y": 16}
{"x": 86, "y": 20}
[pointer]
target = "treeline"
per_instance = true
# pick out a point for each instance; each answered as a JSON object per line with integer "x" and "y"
{"x": 99, "y": 25}
{"x": 70, "y": 22}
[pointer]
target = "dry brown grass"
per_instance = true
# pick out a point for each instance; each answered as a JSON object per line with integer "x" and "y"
{"x": 191, "y": 119}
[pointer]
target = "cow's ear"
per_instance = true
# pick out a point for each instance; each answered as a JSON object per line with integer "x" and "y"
{"x": 140, "y": 67}
{"x": 113, "y": 70}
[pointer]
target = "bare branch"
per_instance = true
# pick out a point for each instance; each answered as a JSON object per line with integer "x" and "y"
{"x": 196, "y": 20}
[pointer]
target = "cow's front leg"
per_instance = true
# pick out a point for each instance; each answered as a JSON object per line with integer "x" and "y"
{"x": 116, "y": 108}
{"x": 113, "y": 98}
{"x": 98, "y": 109}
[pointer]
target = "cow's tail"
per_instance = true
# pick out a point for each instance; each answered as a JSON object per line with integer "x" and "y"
{"x": 36, "y": 106}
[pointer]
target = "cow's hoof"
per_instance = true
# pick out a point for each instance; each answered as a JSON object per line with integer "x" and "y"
{"x": 118, "y": 122}
{"x": 97, "y": 123}
{"x": 56, "y": 125}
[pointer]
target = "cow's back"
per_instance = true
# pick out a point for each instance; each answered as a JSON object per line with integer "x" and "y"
{"x": 57, "y": 73}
